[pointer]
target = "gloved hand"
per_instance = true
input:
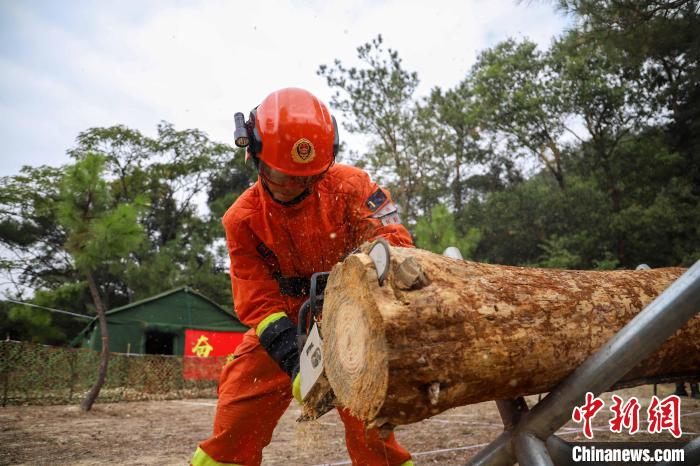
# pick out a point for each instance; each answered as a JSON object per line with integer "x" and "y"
{"x": 296, "y": 385}
{"x": 278, "y": 336}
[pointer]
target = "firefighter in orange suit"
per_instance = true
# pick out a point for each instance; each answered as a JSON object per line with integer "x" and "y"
{"x": 302, "y": 216}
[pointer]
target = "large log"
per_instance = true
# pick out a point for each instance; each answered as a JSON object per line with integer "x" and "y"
{"x": 441, "y": 332}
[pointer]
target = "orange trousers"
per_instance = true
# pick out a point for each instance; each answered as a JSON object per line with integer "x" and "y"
{"x": 253, "y": 394}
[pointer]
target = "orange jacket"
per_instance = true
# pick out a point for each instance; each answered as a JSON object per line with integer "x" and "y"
{"x": 344, "y": 210}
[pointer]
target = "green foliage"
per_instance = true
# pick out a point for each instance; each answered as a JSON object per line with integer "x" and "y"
{"x": 227, "y": 181}
{"x": 438, "y": 232}
{"x": 524, "y": 100}
{"x": 377, "y": 100}
{"x": 37, "y": 322}
{"x": 173, "y": 266}
{"x": 583, "y": 155}
{"x": 557, "y": 254}
{"x": 452, "y": 119}
{"x": 536, "y": 223}
{"x": 131, "y": 204}
{"x": 29, "y": 229}
{"x": 19, "y": 322}
{"x": 173, "y": 171}
{"x": 99, "y": 233}
{"x": 657, "y": 44}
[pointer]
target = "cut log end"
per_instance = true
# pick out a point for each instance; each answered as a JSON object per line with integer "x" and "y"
{"x": 357, "y": 366}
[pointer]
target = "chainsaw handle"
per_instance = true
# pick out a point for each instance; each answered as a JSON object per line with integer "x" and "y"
{"x": 312, "y": 307}
{"x": 301, "y": 326}
{"x": 316, "y": 290}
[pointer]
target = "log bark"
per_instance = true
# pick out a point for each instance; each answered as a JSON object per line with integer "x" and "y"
{"x": 441, "y": 332}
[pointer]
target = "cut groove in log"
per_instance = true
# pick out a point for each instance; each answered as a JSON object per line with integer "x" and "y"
{"x": 442, "y": 332}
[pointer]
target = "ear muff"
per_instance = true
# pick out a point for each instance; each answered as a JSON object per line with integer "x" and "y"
{"x": 336, "y": 138}
{"x": 255, "y": 145}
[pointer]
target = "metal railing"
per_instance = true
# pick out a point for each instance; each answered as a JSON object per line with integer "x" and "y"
{"x": 528, "y": 435}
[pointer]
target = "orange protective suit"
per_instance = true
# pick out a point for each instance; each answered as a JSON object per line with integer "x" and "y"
{"x": 268, "y": 242}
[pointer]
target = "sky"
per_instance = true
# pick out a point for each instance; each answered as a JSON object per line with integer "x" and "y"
{"x": 69, "y": 66}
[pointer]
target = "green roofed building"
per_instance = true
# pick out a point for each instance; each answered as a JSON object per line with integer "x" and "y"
{"x": 157, "y": 325}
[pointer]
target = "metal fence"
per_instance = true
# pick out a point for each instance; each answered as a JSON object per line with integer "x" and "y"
{"x": 38, "y": 374}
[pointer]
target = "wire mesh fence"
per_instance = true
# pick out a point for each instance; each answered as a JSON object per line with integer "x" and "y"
{"x": 38, "y": 374}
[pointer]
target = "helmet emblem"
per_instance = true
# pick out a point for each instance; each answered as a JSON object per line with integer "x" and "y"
{"x": 303, "y": 151}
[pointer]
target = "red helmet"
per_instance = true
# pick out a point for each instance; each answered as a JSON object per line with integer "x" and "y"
{"x": 296, "y": 134}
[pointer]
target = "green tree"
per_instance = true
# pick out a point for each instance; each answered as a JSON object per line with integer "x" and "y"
{"x": 438, "y": 232}
{"x": 522, "y": 98}
{"x": 29, "y": 232}
{"x": 651, "y": 49}
{"x": 612, "y": 106}
{"x": 660, "y": 206}
{"x": 658, "y": 42}
{"x": 29, "y": 323}
{"x": 377, "y": 100}
{"x": 35, "y": 260}
{"x": 99, "y": 234}
{"x": 453, "y": 119}
{"x": 179, "y": 174}
{"x": 536, "y": 223}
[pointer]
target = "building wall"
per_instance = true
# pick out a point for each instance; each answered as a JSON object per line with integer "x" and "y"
{"x": 172, "y": 314}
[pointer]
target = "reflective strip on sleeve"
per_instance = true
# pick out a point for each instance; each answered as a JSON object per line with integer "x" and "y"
{"x": 268, "y": 320}
{"x": 407, "y": 463}
{"x": 200, "y": 458}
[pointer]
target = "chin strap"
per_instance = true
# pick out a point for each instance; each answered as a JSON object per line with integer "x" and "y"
{"x": 296, "y": 200}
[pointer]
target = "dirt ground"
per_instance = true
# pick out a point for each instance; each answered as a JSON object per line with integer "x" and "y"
{"x": 167, "y": 432}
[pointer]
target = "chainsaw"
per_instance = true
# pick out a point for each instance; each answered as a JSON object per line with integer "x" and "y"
{"x": 316, "y": 392}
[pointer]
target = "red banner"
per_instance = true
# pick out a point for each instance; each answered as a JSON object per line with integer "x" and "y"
{"x": 206, "y": 352}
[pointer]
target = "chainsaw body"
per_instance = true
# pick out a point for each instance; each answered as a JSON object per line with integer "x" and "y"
{"x": 309, "y": 340}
